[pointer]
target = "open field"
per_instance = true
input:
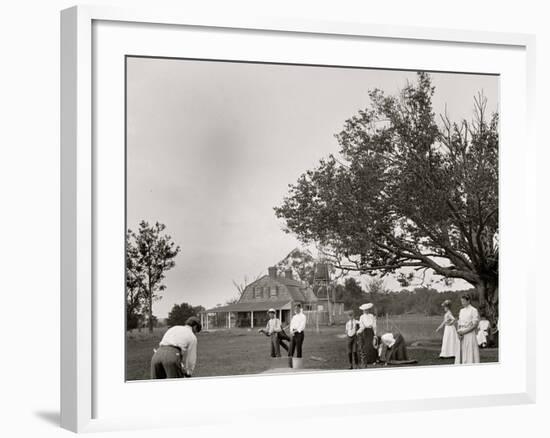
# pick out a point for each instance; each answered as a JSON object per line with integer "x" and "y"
{"x": 244, "y": 351}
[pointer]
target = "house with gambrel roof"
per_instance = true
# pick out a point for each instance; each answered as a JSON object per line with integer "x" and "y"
{"x": 280, "y": 292}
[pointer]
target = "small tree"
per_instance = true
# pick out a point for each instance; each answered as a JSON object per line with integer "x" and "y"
{"x": 150, "y": 253}
{"x": 134, "y": 293}
{"x": 180, "y": 312}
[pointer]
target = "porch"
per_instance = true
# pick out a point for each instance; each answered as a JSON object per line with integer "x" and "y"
{"x": 244, "y": 315}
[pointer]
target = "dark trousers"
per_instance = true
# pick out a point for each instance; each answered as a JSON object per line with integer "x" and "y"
{"x": 351, "y": 348}
{"x": 275, "y": 346}
{"x": 278, "y": 340}
{"x": 296, "y": 344}
{"x": 166, "y": 363}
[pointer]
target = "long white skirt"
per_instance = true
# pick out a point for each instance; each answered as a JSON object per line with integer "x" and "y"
{"x": 468, "y": 352}
{"x": 450, "y": 343}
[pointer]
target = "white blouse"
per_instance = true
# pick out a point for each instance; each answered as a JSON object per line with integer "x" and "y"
{"x": 367, "y": 321}
{"x": 468, "y": 317}
{"x": 449, "y": 318}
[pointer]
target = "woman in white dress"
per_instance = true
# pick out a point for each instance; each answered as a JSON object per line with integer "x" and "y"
{"x": 450, "y": 343}
{"x": 468, "y": 320}
{"x": 483, "y": 331}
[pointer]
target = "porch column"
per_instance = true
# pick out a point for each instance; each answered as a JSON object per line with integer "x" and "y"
{"x": 251, "y": 319}
{"x": 281, "y": 315}
{"x": 202, "y": 319}
{"x": 229, "y": 320}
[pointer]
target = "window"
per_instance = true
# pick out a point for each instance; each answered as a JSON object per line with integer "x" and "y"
{"x": 273, "y": 291}
{"x": 257, "y": 292}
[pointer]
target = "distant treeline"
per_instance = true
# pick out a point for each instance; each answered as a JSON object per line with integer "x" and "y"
{"x": 421, "y": 300}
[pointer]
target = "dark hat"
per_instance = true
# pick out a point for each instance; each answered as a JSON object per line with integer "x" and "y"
{"x": 194, "y": 321}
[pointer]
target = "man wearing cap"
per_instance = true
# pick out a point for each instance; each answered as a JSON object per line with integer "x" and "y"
{"x": 274, "y": 330}
{"x": 177, "y": 353}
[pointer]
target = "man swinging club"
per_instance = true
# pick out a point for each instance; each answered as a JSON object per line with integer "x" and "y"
{"x": 275, "y": 331}
{"x": 177, "y": 353}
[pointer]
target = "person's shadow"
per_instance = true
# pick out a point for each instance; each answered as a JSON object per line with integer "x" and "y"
{"x": 51, "y": 417}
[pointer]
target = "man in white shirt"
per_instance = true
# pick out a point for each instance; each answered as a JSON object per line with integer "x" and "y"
{"x": 352, "y": 325}
{"x": 297, "y": 327}
{"x": 177, "y": 353}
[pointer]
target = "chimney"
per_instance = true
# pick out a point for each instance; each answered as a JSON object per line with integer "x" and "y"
{"x": 288, "y": 273}
{"x": 272, "y": 270}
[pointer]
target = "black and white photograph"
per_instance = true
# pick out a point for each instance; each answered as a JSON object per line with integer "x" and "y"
{"x": 293, "y": 218}
{"x": 287, "y": 218}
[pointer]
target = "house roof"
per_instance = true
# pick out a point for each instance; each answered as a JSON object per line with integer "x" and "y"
{"x": 297, "y": 290}
{"x": 252, "y": 306}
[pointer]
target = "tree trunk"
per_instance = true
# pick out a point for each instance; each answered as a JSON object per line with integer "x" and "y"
{"x": 488, "y": 299}
{"x": 150, "y": 307}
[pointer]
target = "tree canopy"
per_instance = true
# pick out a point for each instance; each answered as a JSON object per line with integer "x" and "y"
{"x": 180, "y": 312}
{"x": 420, "y": 300}
{"x": 408, "y": 189}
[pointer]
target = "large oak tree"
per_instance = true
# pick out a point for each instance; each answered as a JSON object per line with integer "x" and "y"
{"x": 408, "y": 189}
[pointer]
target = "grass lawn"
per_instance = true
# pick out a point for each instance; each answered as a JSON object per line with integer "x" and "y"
{"x": 244, "y": 351}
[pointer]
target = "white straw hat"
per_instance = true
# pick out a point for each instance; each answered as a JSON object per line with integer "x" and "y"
{"x": 271, "y": 310}
{"x": 366, "y": 306}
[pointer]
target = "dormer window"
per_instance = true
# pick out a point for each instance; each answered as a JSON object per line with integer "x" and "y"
{"x": 257, "y": 292}
{"x": 273, "y": 291}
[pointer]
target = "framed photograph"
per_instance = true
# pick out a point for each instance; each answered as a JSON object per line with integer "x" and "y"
{"x": 255, "y": 204}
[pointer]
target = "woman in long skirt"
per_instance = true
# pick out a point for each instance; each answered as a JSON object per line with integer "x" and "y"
{"x": 468, "y": 320}
{"x": 450, "y": 343}
{"x": 366, "y": 333}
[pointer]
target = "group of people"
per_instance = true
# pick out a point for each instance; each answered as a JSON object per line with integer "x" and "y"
{"x": 463, "y": 338}
{"x": 365, "y": 348}
{"x": 177, "y": 352}
{"x": 279, "y": 338}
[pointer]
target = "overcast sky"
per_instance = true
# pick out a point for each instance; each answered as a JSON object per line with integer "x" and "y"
{"x": 212, "y": 147}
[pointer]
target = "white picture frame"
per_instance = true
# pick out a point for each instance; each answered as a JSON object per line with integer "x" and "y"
{"x": 83, "y": 370}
